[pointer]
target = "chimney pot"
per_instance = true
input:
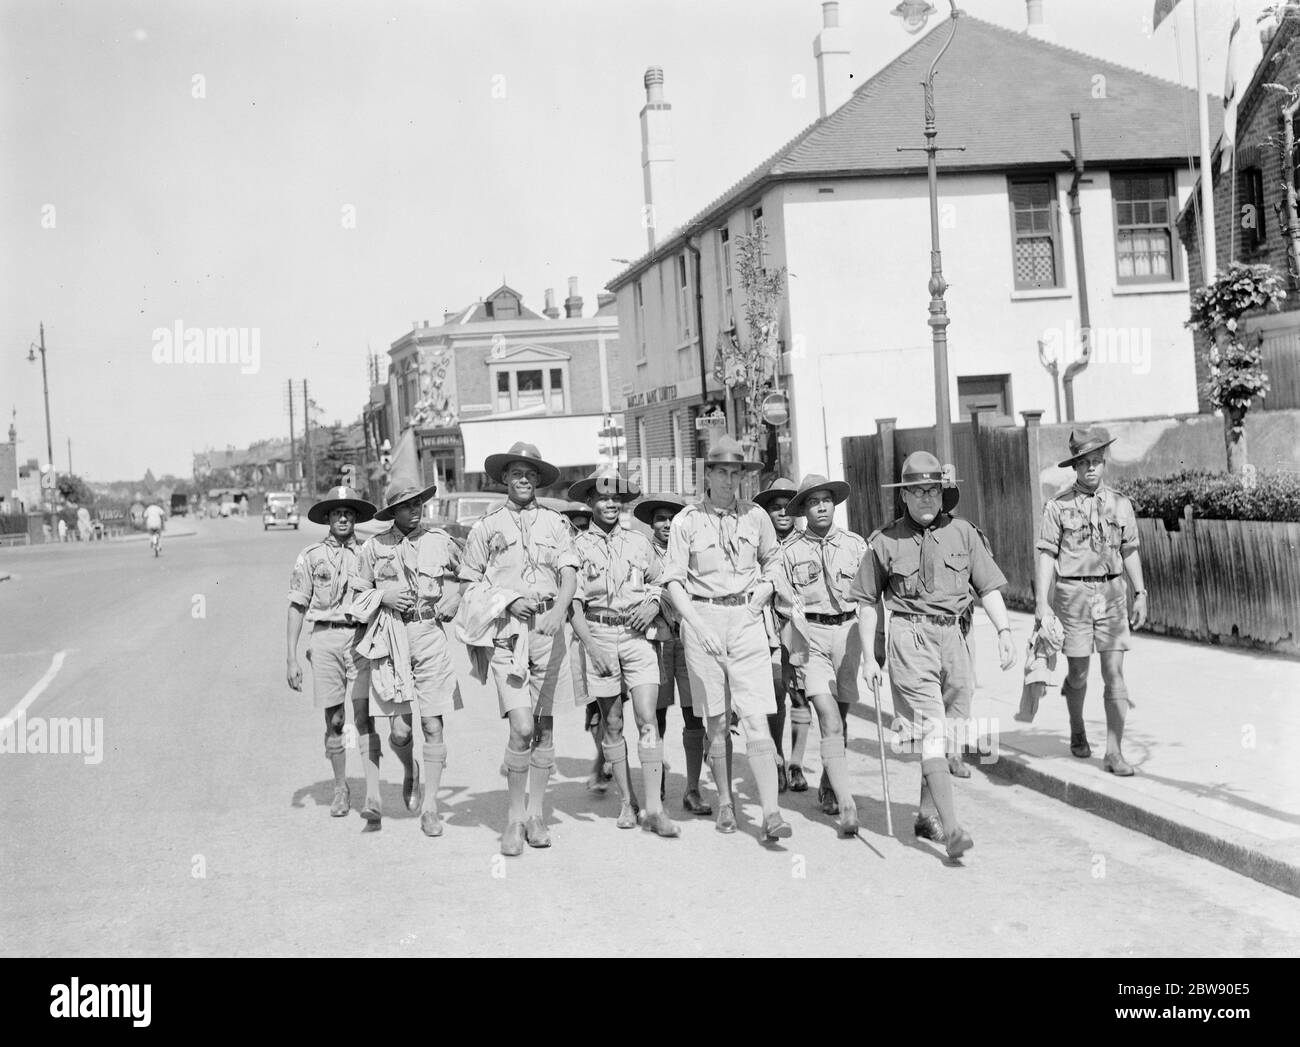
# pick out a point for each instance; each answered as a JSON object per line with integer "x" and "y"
{"x": 573, "y": 304}
{"x": 551, "y": 310}
{"x": 831, "y": 49}
{"x": 657, "y": 166}
{"x": 1037, "y": 26}
{"x": 831, "y": 14}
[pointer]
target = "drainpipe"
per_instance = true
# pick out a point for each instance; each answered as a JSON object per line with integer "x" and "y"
{"x": 699, "y": 316}
{"x": 1085, "y": 326}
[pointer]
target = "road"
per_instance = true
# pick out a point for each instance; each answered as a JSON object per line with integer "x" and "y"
{"x": 203, "y": 827}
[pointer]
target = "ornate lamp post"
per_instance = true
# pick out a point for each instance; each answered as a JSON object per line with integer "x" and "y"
{"x": 45, "y": 381}
{"x": 915, "y": 13}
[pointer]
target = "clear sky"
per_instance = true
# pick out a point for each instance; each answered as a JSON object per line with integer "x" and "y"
{"x": 195, "y": 162}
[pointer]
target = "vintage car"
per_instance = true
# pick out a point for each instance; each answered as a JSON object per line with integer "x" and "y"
{"x": 281, "y": 510}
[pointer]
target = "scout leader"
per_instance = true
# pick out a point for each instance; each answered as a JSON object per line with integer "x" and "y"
{"x": 523, "y": 569}
{"x": 657, "y": 512}
{"x": 723, "y": 559}
{"x": 614, "y": 608}
{"x": 1089, "y": 541}
{"x": 774, "y": 499}
{"x": 405, "y": 586}
{"x": 318, "y": 594}
{"x": 820, "y": 566}
{"x": 923, "y": 565}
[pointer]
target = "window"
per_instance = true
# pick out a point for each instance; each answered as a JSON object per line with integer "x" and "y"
{"x": 1253, "y": 232}
{"x": 640, "y": 318}
{"x": 520, "y": 388}
{"x": 986, "y": 393}
{"x": 506, "y": 308}
{"x": 556, "y": 391}
{"x": 1144, "y": 231}
{"x": 679, "y": 452}
{"x": 529, "y": 390}
{"x": 1035, "y": 233}
{"x": 760, "y": 230}
{"x": 642, "y": 444}
{"x": 724, "y": 279}
{"x": 503, "y": 390}
{"x": 683, "y": 298}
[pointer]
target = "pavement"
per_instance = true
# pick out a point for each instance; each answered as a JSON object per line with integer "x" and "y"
{"x": 1212, "y": 737}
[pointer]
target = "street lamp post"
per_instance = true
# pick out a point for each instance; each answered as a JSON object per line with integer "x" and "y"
{"x": 915, "y": 13}
{"x": 45, "y": 381}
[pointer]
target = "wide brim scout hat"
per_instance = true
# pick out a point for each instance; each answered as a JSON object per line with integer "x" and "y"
{"x": 605, "y": 481}
{"x": 727, "y": 451}
{"x": 921, "y": 468}
{"x": 400, "y": 491}
{"x": 778, "y": 488}
{"x": 1084, "y": 441}
{"x": 495, "y": 465}
{"x": 645, "y": 510}
{"x": 341, "y": 498}
{"x": 837, "y": 489}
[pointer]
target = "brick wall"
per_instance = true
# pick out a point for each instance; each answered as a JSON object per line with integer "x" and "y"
{"x": 659, "y": 443}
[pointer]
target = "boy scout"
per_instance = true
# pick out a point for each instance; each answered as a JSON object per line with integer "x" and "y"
{"x": 723, "y": 559}
{"x": 525, "y": 551}
{"x": 318, "y": 594}
{"x": 657, "y": 512}
{"x": 411, "y": 569}
{"x": 1090, "y": 541}
{"x": 774, "y": 499}
{"x": 819, "y": 568}
{"x": 923, "y": 565}
{"x": 579, "y": 517}
{"x": 614, "y": 608}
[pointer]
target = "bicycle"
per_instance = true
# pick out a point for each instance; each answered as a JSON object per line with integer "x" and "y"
{"x": 155, "y": 541}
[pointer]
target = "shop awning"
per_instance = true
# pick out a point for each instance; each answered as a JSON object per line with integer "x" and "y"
{"x": 563, "y": 440}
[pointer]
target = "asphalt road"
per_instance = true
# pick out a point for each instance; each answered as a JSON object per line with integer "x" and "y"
{"x": 203, "y": 827}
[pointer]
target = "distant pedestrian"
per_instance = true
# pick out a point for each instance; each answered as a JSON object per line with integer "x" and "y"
{"x": 84, "y": 532}
{"x": 63, "y": 529}
{"x": 1089, "y": 541}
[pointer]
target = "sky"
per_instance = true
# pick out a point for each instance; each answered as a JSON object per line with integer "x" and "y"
{"x": 322, "y": 174}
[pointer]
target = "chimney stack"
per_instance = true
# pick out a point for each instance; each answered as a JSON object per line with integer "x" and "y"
{"x": 1038, "y": 27}
{"x": 657, "y": 168}
{"x": 551, "y": 310}
{"x": 831, "y": 49}
{"x": 605, "y": 298}
{"x": 573, "y": 304}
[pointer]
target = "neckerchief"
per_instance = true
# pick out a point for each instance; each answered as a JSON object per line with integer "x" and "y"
{"x": 928, "y": 538}
{"x": 727, "y": 521}
{"x": 821, "y": 544}
{"x": 1097, "y": 535}
{"x": 520, "y": 514}
{"x": 613, "y": 584}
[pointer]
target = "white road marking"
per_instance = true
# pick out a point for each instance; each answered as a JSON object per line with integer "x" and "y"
{"x": 37, "y": 689}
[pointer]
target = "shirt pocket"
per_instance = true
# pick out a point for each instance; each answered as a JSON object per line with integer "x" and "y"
{"x": 746, "y": 547}
{"x": 956, "y": 571}
{"x": 905, "y": 574}
{"x": 385, "y": 567}
{"x": 706, "y": 555}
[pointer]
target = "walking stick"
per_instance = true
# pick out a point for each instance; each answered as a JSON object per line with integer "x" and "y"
{"x": 884, "y": 770}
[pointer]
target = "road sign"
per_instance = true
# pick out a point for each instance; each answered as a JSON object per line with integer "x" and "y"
{"x": 775, "y": 409}
{"x": 711, "y": 421}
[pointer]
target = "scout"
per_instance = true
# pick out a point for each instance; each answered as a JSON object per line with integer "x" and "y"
{"x": 723, "y": 559}
{"x": 923, "y": 566}
{"x": 657, "y": 512}
{"x": 410, "y": 571}
{"x": 523, "y": 556}
{"x": 318, "y": 594}
{"x": 579, "y": 517}
{"x": 614, "y": 608}
{"x": 774, "y": 499}
{"x": 820, "y": 565}
{"x": 1090, "y": 542}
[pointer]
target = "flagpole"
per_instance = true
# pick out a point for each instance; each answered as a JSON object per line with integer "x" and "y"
{"x": 1210, "y": 267}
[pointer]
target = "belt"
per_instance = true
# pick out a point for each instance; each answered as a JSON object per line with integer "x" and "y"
{"x": 725, "y": 601}
{"x": 420, "y": 613}
{"x": 338, "y": 625}
{"x": 934, "y": 619}
{"x": 830, "y": 619}
{"x": 1088, "y": 577}
{"x": 605, "y": 617}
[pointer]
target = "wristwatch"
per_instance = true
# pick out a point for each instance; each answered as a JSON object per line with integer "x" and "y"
{"x": 1139, "y": 592}
{"x": 1006, "y": 630}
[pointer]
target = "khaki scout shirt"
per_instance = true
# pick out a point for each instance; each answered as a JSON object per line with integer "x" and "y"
{"x": 521, "y": 550}
{"x": 618, "y": 570}
{"x": 1088, "y": 532}
{"x": 926, "y": 570}
{"x": 423, "y": 563}
{"x": 820, "y": 571}
{"x": 319, "y": 579}
{"x": 714, "y": 552}
{"x": 666, "y": 608}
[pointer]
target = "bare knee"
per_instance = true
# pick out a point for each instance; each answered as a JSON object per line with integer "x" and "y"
{"x": 399, "y": 732}
{"x": 432, "y": 727}
{"x": 334, "y": 719}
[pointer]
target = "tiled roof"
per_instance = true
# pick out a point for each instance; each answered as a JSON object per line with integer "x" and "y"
{"x": 1005, "y": 96}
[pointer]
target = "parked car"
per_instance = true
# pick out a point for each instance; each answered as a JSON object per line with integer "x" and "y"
{"x": 281, "y": 510}
{"x": 456, "y": 513}
{"x": 180, "y": 505}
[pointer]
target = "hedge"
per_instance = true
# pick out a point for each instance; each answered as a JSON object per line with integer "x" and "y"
{"x": 1216, "y": 496}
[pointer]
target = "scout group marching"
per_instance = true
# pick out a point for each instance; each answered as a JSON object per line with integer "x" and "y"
{"x": 727, "y": 606}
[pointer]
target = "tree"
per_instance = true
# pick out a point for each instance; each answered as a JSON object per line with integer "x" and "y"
{"x": 1236, "y": 367}
{"x": 75, "y": 489}
{"x": 329, "y": 467}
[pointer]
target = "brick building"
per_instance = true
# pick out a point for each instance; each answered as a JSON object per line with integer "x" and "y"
{"x": 1249, "y": 213}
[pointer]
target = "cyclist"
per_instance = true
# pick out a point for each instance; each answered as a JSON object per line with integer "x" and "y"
{"x": 155, "y": 520}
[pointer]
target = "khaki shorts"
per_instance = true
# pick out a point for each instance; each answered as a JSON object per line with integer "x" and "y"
{"x": 834, "y": 661}
{"x": 632, "y": 654}
{"x": 745, "y": 668}
{"x": 549, "y": 683}
{"x": 337, "y": 671}
{"x": 930, "y": 675}
{"x": 673, "y": 674}
{"x": 436, "y": 687}
{"x": 1085, "y": 631}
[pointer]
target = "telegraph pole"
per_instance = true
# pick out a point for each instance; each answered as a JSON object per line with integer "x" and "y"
{"x": 293, "y": 448}
{"x": 308, "y": 469}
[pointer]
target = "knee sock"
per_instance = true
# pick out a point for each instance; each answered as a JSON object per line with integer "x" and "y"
{"x": 719, "y": 753}
{"x": 731, "y": 752}
{"x": 517, "y": 782}
{"x": 661, "y": 719}
{"x": 800, "y": 721}
{"x": 762, "y": 765}
{"x": 539, "y": 773}
{"x": 939, "y": 780}
{"x": 836, "y": 763}
{"x": 652, "y": 774}
{"x": 369, "y": 746}
{"x": 1074, "y": 703}
{"x": 616, "y": 757}
{"x": 1117, "y": 705}
{"x": 776, "y": 727}
{"x": 435, "y": 759}
{"x": 338, "y": 757}
{"x": 693, "y": 743}
{"x": 927, "y": 801}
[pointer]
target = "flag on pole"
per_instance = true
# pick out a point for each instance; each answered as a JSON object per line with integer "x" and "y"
{"x": 1163, "y": 9}
{"x": 1230, "y": 93}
